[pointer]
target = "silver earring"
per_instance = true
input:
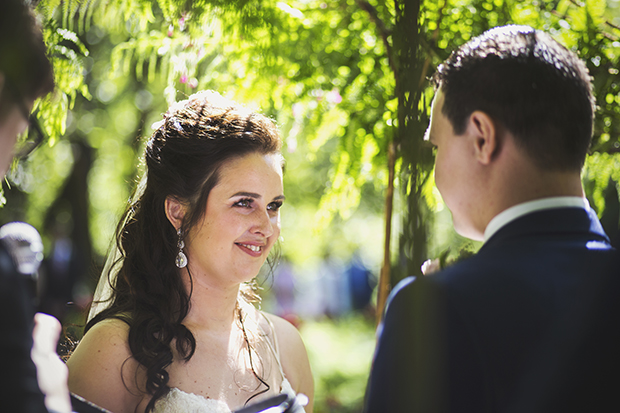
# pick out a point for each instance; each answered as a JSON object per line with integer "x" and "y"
{"x": 181, "y": 260}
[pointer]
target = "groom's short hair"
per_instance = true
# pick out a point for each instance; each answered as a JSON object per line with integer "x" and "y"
{"x": 536, "y": 88}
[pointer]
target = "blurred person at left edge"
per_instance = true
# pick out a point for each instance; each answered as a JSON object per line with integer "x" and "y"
{"x": 32, "y": 377}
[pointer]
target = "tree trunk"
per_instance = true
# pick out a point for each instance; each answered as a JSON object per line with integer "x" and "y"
{"x": 408, "y": 71}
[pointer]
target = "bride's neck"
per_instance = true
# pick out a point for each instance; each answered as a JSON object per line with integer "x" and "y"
{"x": 212, "y": 306}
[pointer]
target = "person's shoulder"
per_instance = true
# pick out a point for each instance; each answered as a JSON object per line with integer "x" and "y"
{"x": 105, "y": 343}
{"x": 102, "y": 369}
{"x": 111, "y": 325}
{"x": 415, "y": 283}
{"x": 112, "y": 330}
{"x": 289, "y": 338}
{"x": 404, "y": 285}
{"x": 413, "y": 290}
{"x": 473, "y": 270}
{"x": 293, "y": 356}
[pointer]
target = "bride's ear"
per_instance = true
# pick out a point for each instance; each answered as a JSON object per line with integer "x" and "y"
{"x": 175, "y": 211}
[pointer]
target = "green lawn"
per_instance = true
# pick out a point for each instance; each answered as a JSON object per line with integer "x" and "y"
{"x": 340, "y": 353}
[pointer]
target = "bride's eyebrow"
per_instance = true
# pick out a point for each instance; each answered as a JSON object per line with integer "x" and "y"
{"x": 256, "y": 196}
{"x": 247, "y": 194}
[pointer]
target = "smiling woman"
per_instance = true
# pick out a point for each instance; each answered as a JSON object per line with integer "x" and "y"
{"x": 241, "y": 222}
{"x": 177, "y": 330}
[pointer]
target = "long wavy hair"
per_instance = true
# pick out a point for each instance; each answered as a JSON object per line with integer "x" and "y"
{"x": 183, "y": 157}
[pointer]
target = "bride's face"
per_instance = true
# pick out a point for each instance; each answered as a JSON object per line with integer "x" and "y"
{"x": 241, "y": 223}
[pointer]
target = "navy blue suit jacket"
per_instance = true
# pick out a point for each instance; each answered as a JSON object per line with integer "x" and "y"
{"x": 469, "y": 338}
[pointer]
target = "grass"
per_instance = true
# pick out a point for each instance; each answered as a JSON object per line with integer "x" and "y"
{"x": 340, "y": 353}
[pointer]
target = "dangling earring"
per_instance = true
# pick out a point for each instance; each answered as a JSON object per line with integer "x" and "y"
{"x": 181, "y": 260}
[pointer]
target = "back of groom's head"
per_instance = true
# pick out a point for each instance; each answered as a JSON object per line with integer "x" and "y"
{"x": 529, "y": 83}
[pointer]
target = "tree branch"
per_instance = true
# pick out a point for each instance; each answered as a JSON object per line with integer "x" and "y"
{"x": 384, "y": 32}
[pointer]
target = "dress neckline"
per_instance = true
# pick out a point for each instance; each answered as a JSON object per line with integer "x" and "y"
{"x": 175, "y": 395}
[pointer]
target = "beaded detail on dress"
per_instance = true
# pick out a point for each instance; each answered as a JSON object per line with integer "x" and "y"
{"x": 178, "y": 401}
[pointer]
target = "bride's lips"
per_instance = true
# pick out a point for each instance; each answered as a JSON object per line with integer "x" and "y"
{"x": 254, "y": 250}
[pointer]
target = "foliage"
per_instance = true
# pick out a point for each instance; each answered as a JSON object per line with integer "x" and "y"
{"x": 585, "y": 27}
{"x": 342, "y": 80}
{"x": 328, "y": 72}
{"x": 322, "y": 69}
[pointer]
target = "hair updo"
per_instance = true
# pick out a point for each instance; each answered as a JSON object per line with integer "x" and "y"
{"x": 183, "y": 156}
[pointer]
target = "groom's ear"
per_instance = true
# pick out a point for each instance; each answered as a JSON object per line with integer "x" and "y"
{"x": 484, "y": 131}
{"x": 175, "y": 211}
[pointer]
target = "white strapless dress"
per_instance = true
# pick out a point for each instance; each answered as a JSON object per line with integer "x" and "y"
{"x": 178, "y": 401}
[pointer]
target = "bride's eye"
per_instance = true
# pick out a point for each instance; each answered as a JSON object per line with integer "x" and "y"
{"x": 244, "y": 203}
{"x": 274, "y": 206}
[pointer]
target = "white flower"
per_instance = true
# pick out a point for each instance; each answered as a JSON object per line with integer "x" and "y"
{"x": 430, "y": 266}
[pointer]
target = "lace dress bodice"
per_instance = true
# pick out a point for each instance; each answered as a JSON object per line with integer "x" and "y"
{"x": 178, "y": 401}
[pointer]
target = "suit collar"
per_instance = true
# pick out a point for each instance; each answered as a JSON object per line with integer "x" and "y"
{"x": 525, "y": 208}
{"x": 557, "y": 221}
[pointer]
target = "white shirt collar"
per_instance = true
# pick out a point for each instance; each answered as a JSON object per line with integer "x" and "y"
{"x": 519, "y": 210}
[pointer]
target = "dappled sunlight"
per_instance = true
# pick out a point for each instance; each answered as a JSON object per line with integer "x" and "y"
{"x": 340, "y": 354}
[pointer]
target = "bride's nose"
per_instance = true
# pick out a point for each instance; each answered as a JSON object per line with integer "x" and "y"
{"x": 264, "y": 223}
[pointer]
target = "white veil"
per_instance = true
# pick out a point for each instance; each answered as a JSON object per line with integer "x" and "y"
{"x": 102, "y": 297}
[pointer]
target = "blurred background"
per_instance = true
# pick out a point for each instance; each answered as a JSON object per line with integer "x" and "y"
{"x": 347, "y": 83}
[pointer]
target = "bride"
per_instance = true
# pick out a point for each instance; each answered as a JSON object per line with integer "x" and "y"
{"x": 176, "y": 330}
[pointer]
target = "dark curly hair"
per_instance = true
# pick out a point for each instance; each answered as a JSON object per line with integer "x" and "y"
{"x": 182, "y": 157}
{"x": 535, "y": 87}
{"x": 23, "y": 55}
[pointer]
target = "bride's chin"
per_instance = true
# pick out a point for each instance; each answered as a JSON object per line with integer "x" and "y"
{"x": 249, "y": 277}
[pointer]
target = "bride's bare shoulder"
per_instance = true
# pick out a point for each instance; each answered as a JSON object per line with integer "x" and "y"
{"x": 102, "y": 369}
{"x": 293, "y": 357}
{"x": 106, "y": 338}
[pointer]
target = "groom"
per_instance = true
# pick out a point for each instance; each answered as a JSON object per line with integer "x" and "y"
{"x": 511, "y": 123}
